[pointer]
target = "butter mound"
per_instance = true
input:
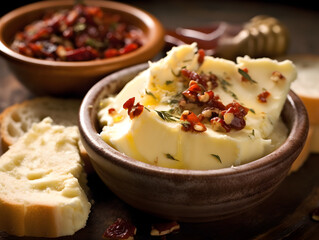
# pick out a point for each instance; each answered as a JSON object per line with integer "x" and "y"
{"x": 154, "y": 139}
{"x": 41, "y": 183}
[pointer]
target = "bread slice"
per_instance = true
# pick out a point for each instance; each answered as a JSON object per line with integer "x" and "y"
{"x": 41, "y": 183}
{"x": 17, "y": 119}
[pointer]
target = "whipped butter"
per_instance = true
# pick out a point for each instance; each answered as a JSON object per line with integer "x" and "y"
{"x": 191, "y": 111}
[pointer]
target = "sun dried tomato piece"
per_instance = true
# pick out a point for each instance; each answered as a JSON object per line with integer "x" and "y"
{"x": 128, "y": 48}
{"x": 112, "y": 111}
{"x": 133, "y": 110}
{"x": 277, "y": 76}
{"x": 262, "y": 97}
{"x": 192, "y": 122}
{"x": 42, "y": 33}
{"x": 81, "y": 54}
{"x": 120, "y": 229}
{"x": 201, "y": 56}
{"x": 111, "y": 52}
{"x": 219, "y": 125}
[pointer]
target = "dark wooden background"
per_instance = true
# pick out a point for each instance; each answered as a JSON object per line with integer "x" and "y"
{"x": 286, "y": 214}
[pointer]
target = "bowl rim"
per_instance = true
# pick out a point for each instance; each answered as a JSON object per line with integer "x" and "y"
{"x": 91, "y": 139}
{"x": 155, "y": 33}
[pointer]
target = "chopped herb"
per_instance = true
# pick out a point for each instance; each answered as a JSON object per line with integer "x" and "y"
{"x": 166, "y": 116}
{"x": 233, "y": 95}
{"x": 185, "y": 123}
{"x": 252, "y": 134}
{"x": 168, "y": 82}
{"x": 147, "y": 109}
{"x": 95, "y": 43}
{"x": 252, "y": 110}
{"x": 176, "y": 75}
{"x": 224, "y": 85}
{"x": 150, "y": 93}
{"x": 169, "y": 156}
{"x": 217, "y": 157}
{"x": 223, "y": 82}
{"x": 246, "y": 75}
{"x": 173, "y": 101}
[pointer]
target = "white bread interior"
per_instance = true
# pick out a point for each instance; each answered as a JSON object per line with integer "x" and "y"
{"x": 17, "y": 119}
{"x": 42, "y": 183}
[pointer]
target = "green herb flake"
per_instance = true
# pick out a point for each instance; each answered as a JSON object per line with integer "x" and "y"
{"x": 226, "y": 84}
{"x": 217, "y": 157}
{"x": 169, "y": 156}
{"x": 176, "y": 75}
{"x": 185, "y": 123}
{"x": 246, "y": 75}
{"x": 147, "y": 109}
{"x": 150, "y": 93}
{"x": 168, "y": 82}
{"x": 95, "y": 43}
{"x": 252, "y": 110}
{"x": 166, "y": 116}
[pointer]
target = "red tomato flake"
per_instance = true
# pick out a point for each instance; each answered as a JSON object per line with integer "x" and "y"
{"x": 112, "y": 111}
{"x": 128, "y": 48}
{"x": 120, "y": 229}
{"x": 262, "y": 97}
{"x": 133, "y": 110}
{"x": 112, "y": 52}
{"x": 235, "y": 113}
{"x": 192, "y": 122}
{"x": 201, "y": 56}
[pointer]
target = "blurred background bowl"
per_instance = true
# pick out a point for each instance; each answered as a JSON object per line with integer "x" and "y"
{"x": 187, "y": 195}
{"x": 46, "y": 77}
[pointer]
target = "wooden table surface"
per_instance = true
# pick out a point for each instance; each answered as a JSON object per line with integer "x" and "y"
{"x": 285, "y": 214}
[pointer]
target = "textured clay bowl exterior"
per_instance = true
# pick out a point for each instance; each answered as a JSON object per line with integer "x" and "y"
{"x": 187, "y": 195}
{"x": 44, "y": 77}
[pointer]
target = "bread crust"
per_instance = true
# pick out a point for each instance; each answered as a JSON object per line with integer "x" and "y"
{"x": 42, "y": 206}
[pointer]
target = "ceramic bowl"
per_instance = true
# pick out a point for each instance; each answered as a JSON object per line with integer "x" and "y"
{"x": 187, "y": 195}
{"x": 44, "y": 77}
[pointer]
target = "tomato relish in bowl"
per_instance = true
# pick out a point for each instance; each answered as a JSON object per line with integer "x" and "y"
{"x": 81, "y": 33}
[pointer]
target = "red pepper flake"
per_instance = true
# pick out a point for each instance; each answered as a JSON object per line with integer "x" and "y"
{"x": 277, "y": 76}
{"x": 112, "y": 111}
{"x": 111, "y": 52}
{"x": 234, "y": 115}
{"x": 120, "y": 229}
{"x": 128, "y": 48}
{"x": 201, "y": 56}
{"x": 192, "y": 122}
{"x": 161, "y": 229}
{"x": 262, "y": 97}
{"x": 206, "y": 81}
{"x": 133, "y": 110}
